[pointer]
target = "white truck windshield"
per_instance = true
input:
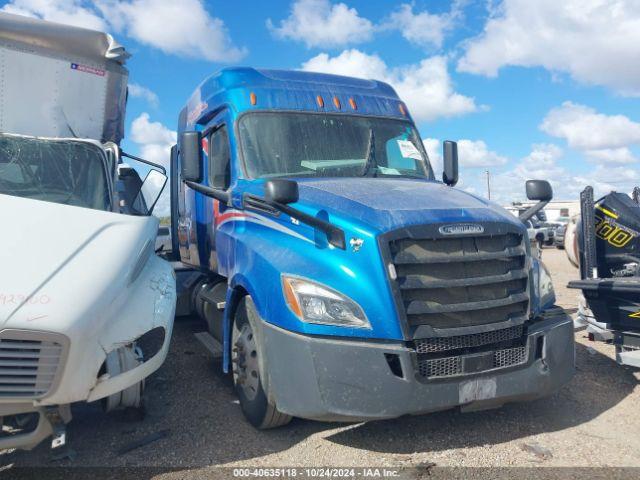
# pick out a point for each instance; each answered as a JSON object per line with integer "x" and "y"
{"x": 60, "y": 171}
{"x": 278, "y": 144}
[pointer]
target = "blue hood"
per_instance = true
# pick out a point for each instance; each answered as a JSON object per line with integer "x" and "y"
{"x": 389, "y": 203}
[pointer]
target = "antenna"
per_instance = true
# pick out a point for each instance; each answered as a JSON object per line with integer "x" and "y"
{"x": 488, "y": 184}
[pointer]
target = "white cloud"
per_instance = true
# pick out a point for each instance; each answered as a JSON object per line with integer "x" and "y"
{"x": 621, "y": 155}
{"x": 138, "y": 91}
{"x": 586, "y": 129}
{"x": 426, "y": 87}
{"x": 154, "y": 142}
{"x": 319, "y": 23}
{"x": 182, "y": 28}
{"x": 153, "y": 139}
{"x": 433, "y": 146}
{"x": 540, "y": 164}
{"x": 544, "y": 163}
{"x": 605, "y": 179}
{"x": 602, "y": 138}
{"x": 471, "y": 154}
{"x": 423, "y": 28}
{"x": 595, "y": 41}
{"x": 70, "y": 12}
{"x": 352, "y": 63}
{"x": 477, "y": 154}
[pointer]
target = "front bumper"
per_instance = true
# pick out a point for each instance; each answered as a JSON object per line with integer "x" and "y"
{"x": 345, "y": 380}
{"x": 62, "y": 367}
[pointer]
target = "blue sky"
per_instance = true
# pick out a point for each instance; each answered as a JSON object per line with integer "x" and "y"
{"x": 540, "y": 89}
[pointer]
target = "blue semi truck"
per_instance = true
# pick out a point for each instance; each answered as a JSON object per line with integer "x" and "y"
{"x": 342, "y": 279}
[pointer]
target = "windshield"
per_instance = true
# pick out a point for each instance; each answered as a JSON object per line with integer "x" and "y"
{"x": 315, "y": 145}
{"x": 60, "y": 171}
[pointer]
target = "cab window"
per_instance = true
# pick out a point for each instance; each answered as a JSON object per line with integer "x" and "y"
{"x": 219, "y": 158}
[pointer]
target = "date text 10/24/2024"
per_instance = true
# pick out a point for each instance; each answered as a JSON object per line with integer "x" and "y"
{"x": 306, "y": 472}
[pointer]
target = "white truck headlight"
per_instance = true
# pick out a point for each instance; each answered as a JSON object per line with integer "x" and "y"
{"x": 315, "y": 303}
{"x": 546, "y": 293}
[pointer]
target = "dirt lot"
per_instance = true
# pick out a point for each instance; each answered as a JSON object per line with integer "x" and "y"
{"x": 593, "y": 421}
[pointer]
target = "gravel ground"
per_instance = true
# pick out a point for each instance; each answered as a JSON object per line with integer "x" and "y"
{"x": 593, "y": 421}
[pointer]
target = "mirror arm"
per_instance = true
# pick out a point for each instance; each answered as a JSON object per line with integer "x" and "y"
{"x": 142, "y": 160}
{"x": 216, "y": 193}
{"x": 334, "y": 234}
{"x": 531, "y": 211}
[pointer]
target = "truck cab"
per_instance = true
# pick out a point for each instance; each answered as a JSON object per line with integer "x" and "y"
{"x": 343, "y": 279}
{"x": 86, "y": 307}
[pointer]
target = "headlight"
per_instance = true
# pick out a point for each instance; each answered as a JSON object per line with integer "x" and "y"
{"x": 546, "y": 293}
{"x": 315, "y": 303}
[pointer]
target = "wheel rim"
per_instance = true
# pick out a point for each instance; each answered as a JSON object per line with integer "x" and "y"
{"x": 246, "y": 372}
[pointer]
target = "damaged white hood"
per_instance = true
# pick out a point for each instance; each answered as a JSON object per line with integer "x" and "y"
{"x": 60, "y": 263}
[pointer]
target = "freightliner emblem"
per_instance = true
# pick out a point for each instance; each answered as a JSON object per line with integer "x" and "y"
{"x": 461, "y": 229}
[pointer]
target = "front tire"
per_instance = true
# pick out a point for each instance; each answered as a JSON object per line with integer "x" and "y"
{"x": 247, "y": 360}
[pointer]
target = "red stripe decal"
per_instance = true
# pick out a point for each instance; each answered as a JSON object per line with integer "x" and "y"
{"x": 229, "y": 215}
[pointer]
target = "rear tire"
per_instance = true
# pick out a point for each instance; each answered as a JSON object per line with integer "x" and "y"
{"x": 247, "y": 358}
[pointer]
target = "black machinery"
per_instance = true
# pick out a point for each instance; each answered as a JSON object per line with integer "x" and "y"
{"x": 610, "y": 267}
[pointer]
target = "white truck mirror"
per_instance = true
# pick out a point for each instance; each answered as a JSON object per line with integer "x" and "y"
{"x": 150, "y": 190}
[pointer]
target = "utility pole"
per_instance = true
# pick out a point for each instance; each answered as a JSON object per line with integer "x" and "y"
{"x": 488, "y": 184}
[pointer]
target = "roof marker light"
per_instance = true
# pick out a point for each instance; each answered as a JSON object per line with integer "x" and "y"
{"x": 352, "y": 102}
{"x": 253, "y": 98}
{"x": 403, "y": 110}
{"x": 320, "y": 101}
{"x": 336, "y": 102}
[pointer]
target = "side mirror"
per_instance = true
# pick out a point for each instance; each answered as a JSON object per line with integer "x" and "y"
{"x": 539, "y": 190}
{"x": 191, "y": 156}
{"x": 281, "y": 191}
{"x": 150, "y": 191}
{"x": 450, "y": 162}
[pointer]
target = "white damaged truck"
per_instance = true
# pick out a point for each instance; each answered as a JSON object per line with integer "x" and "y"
{"x": 86, "y": 306}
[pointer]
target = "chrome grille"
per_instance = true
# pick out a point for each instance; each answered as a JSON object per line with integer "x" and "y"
{"x": 452, "y": 366}
{"x": 462, "y": 281}
{"x": 443, "y": 344}
{"x": 27, "y": 367}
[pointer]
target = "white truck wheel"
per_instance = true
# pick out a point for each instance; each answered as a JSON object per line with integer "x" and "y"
{"x": 118, "y": 361}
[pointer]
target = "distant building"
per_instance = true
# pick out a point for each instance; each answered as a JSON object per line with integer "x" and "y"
{"x": 553, "y": 211}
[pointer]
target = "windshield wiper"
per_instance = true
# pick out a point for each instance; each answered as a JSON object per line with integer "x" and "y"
{"x": 371, "y": 155}
{"x": 407, "y": 175}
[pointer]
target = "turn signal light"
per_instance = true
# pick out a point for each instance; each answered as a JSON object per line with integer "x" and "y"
{"x": 291, "y": 299}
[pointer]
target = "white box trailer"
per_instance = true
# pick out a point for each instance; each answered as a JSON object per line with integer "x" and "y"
{"x": 81, "y": 288}
{"x": 61, "y": 81}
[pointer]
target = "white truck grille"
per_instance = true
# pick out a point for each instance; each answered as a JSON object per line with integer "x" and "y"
{"x": 28, "y": 367}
